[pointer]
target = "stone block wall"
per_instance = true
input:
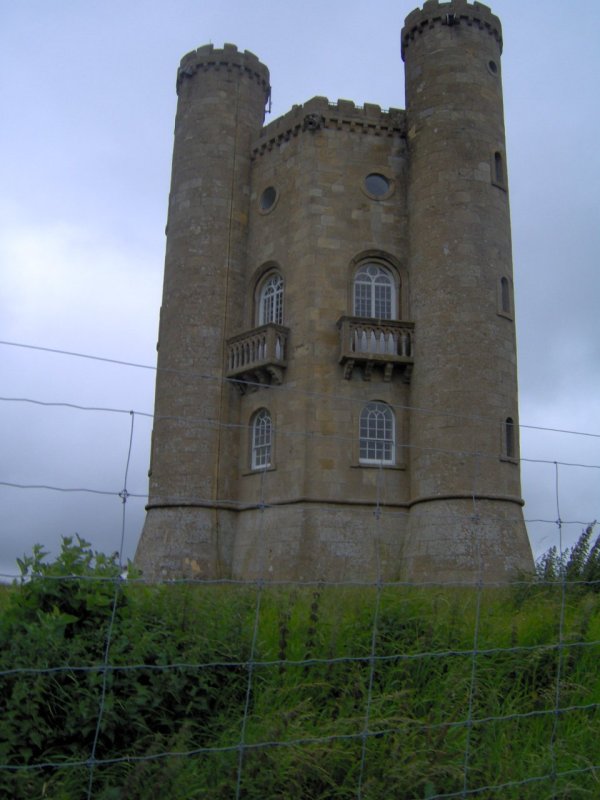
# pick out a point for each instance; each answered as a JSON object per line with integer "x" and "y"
{"x": 292, "y": 199}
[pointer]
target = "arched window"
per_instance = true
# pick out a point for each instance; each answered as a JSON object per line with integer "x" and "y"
{"x": 377, "y": 434}
{"x": 374, "y": 293}
{"x": 262, "y": 439}
{"x": 270, "y": 300}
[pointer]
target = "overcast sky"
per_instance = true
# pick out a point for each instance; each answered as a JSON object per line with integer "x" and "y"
{"x": 88, "y": 100}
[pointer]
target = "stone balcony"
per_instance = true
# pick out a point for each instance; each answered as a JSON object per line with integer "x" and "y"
{"x": 258, "y": 356}
{"x": 375, "y": 343}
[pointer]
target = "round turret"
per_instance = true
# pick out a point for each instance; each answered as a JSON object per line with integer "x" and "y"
{"x": 222, "y": 96}
{"x": 465, "y": 485}
{"x": 450, "y": 14}
{"x": 229, "y": 59}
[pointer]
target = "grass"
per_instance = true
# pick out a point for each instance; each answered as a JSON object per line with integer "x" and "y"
{"x": 403, "y": 692}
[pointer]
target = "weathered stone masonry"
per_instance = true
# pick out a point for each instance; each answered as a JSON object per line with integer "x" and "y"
{"x": 336, "y": 392}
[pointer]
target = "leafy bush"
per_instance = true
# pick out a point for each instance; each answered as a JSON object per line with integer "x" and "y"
{"x": 580, "y": 563}
{"x": 327, "y": 687}
{"x": 55, "y": 688}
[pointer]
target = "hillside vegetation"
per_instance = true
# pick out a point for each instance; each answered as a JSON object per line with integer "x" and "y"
{"x": 336, "y": 691}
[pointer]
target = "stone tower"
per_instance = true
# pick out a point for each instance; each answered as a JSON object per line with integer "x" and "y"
{"x": 465, "y": 484}
{"x": 222, "y": 96}
{"x": 336, "y": 393}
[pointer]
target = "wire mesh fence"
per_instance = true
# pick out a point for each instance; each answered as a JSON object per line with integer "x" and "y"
{"x": 113, "y": 686}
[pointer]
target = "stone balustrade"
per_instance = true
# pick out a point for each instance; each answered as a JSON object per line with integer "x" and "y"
{"x": 376, "y": 343}
{"x": 257, "y": 356}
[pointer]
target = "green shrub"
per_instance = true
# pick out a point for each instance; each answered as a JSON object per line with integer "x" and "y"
{"x": 386, "y": 686}
{"x": 577, "y": 564}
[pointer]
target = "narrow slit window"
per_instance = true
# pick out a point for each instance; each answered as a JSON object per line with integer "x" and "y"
{"x": 505, "y": 303}
{"x": 498, "y": 169}
{"x": 509, "y": 437}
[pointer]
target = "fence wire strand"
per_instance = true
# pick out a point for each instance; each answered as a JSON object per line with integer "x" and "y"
{"x": 376, "y": 538}
{"x": 113, "y": 614}
{"x": 373, "y": 514}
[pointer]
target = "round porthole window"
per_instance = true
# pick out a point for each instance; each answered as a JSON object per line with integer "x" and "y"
{"x": 268, "y": 199}
{"x": 377, "y": 185}
{"x": 493, "y": 67}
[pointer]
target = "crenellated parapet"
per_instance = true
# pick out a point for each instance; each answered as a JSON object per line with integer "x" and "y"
{"x": 228, "y": 58}
{"x": 395, "y": 223}
{"x": 453, "y": 13}
{"x": 319, "y": 113}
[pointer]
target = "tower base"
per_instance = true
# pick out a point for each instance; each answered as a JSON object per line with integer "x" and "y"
{"x": 186, "y": 542}
{"x": 466, "y": 541}
{"x": 441, "y": 541}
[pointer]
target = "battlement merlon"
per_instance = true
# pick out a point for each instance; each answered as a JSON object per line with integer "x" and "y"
{"x": 319, "y": 112}
{"x": 227, "y": 58}
{"x": 455, "y": 12}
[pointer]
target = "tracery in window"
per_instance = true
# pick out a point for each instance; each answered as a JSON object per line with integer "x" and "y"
{"x": 377, "y": 432}
{"x": 374, "y": 293}
{"x": 270, "y": 300}
{"x": 262, "y": 440}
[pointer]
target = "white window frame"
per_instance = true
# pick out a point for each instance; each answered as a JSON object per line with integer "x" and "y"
{"x": 369, "y": 281}
{"x": 261, "y": 450}
{"x": 377, "y": 434}
{"x": 270, "y": 300}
